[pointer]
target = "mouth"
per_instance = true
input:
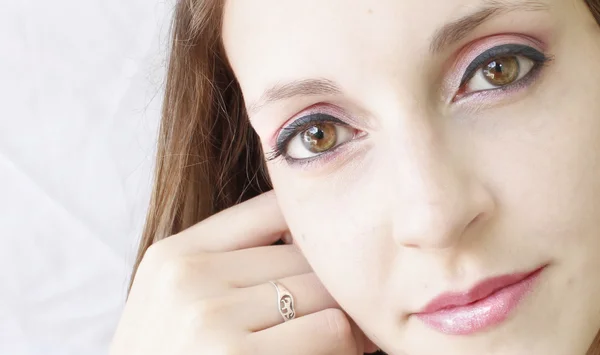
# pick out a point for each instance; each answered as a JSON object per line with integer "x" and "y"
{"x": 487, "y": 304}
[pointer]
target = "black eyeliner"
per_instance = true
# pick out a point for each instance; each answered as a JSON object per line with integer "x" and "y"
{"x": 504, "y": 50}
{"x": 289, "y": 132}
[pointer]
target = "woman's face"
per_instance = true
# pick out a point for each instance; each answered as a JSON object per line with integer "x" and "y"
{"x": 420, "y": 149}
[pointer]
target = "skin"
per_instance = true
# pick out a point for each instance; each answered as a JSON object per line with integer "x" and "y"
{"x": 436, "y": 195}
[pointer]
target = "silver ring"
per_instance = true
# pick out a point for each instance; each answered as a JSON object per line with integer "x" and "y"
{"x": 285, "y": 302}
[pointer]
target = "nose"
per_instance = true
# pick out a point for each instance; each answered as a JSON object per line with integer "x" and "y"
{"x": 436, "y": 201}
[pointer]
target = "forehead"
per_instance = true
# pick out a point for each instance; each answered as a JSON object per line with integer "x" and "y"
{"x": 279, "y": 31}
{"x": 271, "y": 41}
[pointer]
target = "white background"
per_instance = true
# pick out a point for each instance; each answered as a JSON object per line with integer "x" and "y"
{"x": 80, "y": 92}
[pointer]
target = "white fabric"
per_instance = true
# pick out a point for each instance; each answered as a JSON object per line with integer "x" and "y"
{"x": 80, "y": 91}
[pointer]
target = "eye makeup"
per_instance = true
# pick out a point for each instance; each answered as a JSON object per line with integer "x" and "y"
{"x": 505, "y": 50}
{"x": 467, "y": 98}
{"x": 474, "y": 56}
{"x": 301, "y": 124}
{"x": 471, "y": 59}
{"x": 289, "y": 132}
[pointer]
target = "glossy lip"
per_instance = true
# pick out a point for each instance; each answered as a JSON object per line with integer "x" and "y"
{"x": 487, "y": 304}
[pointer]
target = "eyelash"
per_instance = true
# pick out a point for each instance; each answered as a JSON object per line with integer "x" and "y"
{"x": 508, "y": 50}
{"x": 288, "y": 133}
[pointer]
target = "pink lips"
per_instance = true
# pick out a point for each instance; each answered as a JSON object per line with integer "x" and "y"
{"x": 487, "y": 304}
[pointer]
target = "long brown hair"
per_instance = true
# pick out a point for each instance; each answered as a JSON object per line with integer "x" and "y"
{"x": 209, "y": 158}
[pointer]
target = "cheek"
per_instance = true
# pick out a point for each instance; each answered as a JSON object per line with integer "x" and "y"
{"x": 338, "y": 221}
{"x": 545, "y": 174}
{"x": 571, "y": 189}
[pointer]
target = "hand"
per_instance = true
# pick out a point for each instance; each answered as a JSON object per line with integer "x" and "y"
{"x": 206, "y": 291}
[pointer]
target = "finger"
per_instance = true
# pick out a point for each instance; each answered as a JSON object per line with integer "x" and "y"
{"x": 255, "y": 266}
{"x": 194, "y": 276}
{"x": 253, "y": 223}
{"x": 324, "y": 332}
{"x": 363, "y": 342}
{"x": 257, "y": 307}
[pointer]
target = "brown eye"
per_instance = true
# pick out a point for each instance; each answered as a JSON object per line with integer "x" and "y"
{"x": 320, "y": 137}
{"x": 501, "y": 71}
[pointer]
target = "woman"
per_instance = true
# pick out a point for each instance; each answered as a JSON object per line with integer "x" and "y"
{"x": 434, "y": 167}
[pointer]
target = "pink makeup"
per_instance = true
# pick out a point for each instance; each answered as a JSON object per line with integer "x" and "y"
{"x": 467, "y": 54}
{"x": 488, "y": 303}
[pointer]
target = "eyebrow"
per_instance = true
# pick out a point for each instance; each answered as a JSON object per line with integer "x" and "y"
{"x": 306, "y": 87}
{"x": 459, "y": 29}
{"x": 444, "y": 37}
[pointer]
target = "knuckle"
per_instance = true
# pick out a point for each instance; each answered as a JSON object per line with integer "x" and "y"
{"x": 160, "y": 251}
{"x": 164, "y": 249}
{"x": 207, "y": 313}
{"x": 181, "y": 272}
{"x": 338, "y": 326}
{"x": 155, "y": 253}
{"x": 174, "y": 272}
